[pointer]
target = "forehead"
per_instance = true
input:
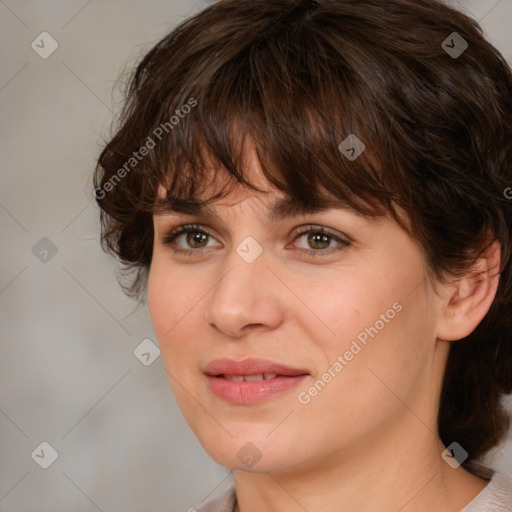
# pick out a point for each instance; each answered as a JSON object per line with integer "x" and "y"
{"x": 278, "y": 205}
{"x": 217, "y": 190}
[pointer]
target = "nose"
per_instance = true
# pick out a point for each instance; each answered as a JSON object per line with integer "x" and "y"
{"x": 247, "y": 297}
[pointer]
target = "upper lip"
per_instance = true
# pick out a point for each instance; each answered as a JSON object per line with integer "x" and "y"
{"x": 251, "y": 366}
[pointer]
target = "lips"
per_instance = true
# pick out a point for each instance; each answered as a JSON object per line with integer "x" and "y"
{"x": 251, "y": 380}
{"x": 250, "y": 367}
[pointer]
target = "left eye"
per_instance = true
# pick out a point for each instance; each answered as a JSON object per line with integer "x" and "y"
{"x": 195, "y": 236}
{"x": 319, "y": 238}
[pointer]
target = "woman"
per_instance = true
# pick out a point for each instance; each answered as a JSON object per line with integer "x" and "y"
{"x": 314, "y": 196}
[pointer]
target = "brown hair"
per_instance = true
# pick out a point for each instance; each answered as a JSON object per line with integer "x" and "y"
{"x": 299, "y": 77}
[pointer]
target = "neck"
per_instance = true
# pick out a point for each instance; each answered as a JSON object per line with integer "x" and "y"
{"x": 405, "y": 473}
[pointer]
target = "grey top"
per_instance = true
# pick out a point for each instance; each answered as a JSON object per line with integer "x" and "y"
{"x": 495, "y": 497}
{"x": 224, "y": 503}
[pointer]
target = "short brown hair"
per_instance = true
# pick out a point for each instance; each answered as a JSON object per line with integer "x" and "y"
{"x": 299, "y": 77}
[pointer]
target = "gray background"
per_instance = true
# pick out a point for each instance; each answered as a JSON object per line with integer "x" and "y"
{"x": 68, "y": 373}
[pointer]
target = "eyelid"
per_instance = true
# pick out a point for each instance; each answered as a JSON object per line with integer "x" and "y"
{"x": 296, "y": 231}
{"x": 341, "y": 239}
{"x": 314, "y": 228}
{"x": 168, "y": 237}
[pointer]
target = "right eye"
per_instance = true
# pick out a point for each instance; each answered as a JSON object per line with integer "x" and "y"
{"x": 192, "y": 234}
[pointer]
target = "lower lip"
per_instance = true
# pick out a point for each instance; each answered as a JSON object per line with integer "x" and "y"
{"x": 251, "y": 392}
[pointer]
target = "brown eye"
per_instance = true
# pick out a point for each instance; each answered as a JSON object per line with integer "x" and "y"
{"x": 319, "y": 240}
{"x": 194, "y": 236}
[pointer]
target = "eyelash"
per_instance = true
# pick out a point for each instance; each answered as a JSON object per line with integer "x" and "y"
{"x": 195, "y": 228}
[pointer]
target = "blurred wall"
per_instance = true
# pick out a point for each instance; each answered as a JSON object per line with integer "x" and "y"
{"x": 70, "y": 377}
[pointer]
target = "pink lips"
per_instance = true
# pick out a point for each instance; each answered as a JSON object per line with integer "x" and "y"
{"x": 277, "y": 378}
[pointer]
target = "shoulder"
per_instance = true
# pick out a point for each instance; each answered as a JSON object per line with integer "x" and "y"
{"x": 223, "y": 503}
{"x": 495, "y": 497}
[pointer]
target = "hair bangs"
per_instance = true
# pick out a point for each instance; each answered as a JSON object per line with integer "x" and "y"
{"x": 257, "y": 101}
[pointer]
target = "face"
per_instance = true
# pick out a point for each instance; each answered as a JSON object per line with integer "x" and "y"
{"x": 328, "y": 314}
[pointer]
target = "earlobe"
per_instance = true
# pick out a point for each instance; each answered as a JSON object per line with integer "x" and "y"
{"x": 467, "y": 300}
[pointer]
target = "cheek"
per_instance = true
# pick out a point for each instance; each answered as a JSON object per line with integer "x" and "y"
{"x": 158, "y": 299}
{"x": 174, "y": 302}
{"x": 377, "y": 375}
{"x": 357, "y": 307}
{"x": 380, "y": 324}
{"x": 166, "y": 302}
{"x": 170, "y": 294}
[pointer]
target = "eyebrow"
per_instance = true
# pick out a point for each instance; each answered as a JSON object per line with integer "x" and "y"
{"x": 279, "y": 209}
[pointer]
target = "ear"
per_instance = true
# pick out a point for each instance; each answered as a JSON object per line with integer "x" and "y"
{"x": 466, "y": 301}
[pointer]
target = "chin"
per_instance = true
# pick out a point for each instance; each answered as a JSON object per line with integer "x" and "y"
{"x": 255, "y": 453}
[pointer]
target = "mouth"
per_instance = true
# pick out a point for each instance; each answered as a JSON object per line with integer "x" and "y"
{"x": 251, "y": 380}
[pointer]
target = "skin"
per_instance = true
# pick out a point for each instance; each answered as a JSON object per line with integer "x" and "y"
{"x": 368, "y": 440}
